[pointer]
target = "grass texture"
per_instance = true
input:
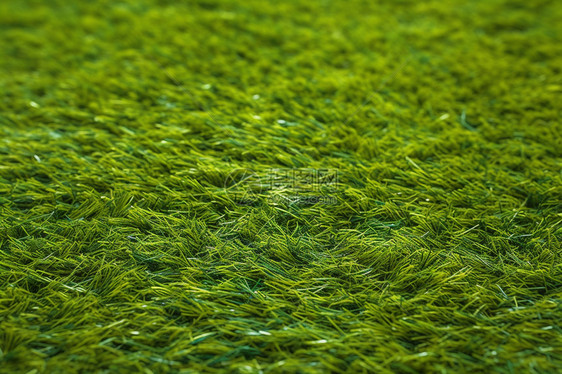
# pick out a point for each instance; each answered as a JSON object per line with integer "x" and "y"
{"x": 123, "y": 250}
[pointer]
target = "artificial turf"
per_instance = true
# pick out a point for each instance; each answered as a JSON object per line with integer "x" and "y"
{"x": 150, "y": 155}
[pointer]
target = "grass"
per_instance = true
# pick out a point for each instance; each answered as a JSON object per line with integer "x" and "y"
{"x": 124, "y": 248}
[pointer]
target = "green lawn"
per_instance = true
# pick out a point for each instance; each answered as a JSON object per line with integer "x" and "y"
{"x": 297, "y": 186}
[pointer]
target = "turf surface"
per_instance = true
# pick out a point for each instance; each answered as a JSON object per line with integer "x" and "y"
{"x": 140, "y": 230}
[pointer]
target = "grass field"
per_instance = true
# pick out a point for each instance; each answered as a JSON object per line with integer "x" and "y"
{"x": 297, "y": 186}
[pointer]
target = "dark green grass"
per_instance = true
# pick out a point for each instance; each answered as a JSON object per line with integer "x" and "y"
{"x": 122, "y": 251}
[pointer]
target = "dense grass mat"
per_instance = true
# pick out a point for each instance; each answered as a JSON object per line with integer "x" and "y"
{"x": 296, "y": 186}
